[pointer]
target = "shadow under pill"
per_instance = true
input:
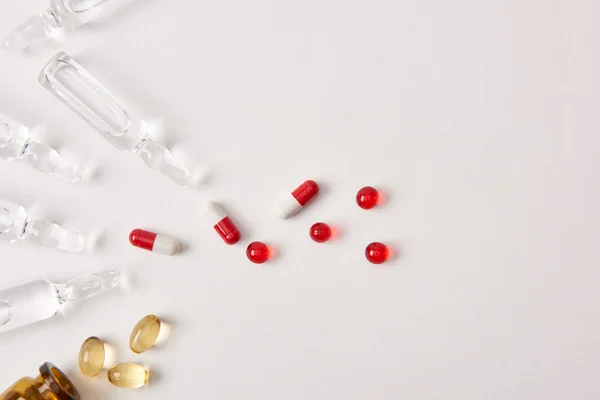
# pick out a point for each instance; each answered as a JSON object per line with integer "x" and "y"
{"x": 154, "y": 376}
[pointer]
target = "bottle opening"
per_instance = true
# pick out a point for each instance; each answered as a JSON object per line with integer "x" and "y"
{"x": 58, "y": 382}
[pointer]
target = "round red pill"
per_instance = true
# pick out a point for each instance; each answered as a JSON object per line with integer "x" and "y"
{"x": 257, "y": 252}
{"x": 377, "y": 253}
{"x": 367, "y": 197}
{"x": 320, "y": 232}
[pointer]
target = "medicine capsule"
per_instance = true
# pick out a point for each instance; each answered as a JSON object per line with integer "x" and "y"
{"x": 377, "y": 253}
{"x": 294, "y": 202}
{"x": 144, "y": 334}
{"x": 128, "y": 376}
{"x": 153, "y": 242}
{"x": 367, "y": 197}
{"x": 222, "y": 223}
{"x": 257, "y": 252}
{"x": 92, "y": 356}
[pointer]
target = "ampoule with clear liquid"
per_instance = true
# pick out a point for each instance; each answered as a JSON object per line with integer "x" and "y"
{"x": 39, "y": 300}
{"x": 66, "y": 14}
{"x": 16, "y": 224}
{"x": 123, "y": 127}
{"x": 16, "y": 144}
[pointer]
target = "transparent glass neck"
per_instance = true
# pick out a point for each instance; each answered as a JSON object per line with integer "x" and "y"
{"x": 67, "y": 14}
{"x": 15, "y": 143}
{"x": 84, "y": 287}
{"x": 15, "y": 225}
{"x": 41, "y": 299}
{"x": 34, "y": 31}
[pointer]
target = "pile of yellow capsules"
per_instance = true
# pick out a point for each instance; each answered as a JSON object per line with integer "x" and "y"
{"x": 94, "y": 355}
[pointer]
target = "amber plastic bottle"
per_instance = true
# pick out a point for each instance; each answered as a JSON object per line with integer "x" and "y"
{"x": 50, "y": 384}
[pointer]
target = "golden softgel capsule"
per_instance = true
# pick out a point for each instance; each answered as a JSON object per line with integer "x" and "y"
{"x": 144, "y": 334}
{"x": 128, "y": 376}
{"x": 92, "y": 356}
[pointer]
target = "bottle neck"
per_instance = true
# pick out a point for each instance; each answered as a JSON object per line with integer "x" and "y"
{"x": 50, "y": 384}
{"x": 53, "y": 384}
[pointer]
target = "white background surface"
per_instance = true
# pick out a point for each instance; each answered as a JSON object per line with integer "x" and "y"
{"x": 480, "y": 119}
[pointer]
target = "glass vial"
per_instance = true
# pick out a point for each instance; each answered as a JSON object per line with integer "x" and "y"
{"x": 67, "y": 14}
{"x": 15, "y": 144}
{"x": 123, "y": 127}
{"x": 50, "y": 384}
{"x": 39, "y": 300}
{"x": 16, "y": 224}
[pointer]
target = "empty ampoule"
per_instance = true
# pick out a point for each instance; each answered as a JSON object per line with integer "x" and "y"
{"x": 15, "y": 144}
{"x": 42, "y": 299}
{"x": 65, "y": 14}
{"x": 123, "y": 127}
{"x": 16, "y": 225}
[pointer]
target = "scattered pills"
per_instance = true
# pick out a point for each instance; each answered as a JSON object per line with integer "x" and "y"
{"x": 377, "y": 253}
{"x": 320, "y": 232}
{"x": 257, "y": 252}
{"x": 294, "y": 202}
{"x": 144, "y": 334}
{"x": 153, "y": 242}
{"x": 128, "y": 376}
{"x": 367, "y": 197}
{"x": 92, "y": 356}
{"x": 222, "y": 223}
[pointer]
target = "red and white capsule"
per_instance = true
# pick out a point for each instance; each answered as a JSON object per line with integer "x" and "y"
{"x": 222, "y": 223}
{"x": 153, "y": 242}
{"x": 295, "y": 201}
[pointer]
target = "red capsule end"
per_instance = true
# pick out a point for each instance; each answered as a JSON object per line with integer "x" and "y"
{"x": 306, "y": 192}
{"x": 228, "y": 231}
{"x": 142, "y": 239}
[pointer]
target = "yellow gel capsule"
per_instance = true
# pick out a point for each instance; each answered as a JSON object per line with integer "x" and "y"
{"x": 144, "y": 334}
{"x": 128, "y": 376}
{"x": 91, "y": 356}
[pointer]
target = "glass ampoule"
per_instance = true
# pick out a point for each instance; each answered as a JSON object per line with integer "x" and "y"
{"x": 39, "y": 300}
{"x": 15, "y": 144}
{"x": 66, "y": 14}
{"x": 50, "y": 384}
{"x": 16, "y": 224}
{"x": 123, "y": 127}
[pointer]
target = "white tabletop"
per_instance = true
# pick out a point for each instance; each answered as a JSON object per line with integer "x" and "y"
{"x": 478, "y": 119}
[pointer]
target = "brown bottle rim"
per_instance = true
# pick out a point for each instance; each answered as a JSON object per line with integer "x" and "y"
{"x": 58, "y": 382}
